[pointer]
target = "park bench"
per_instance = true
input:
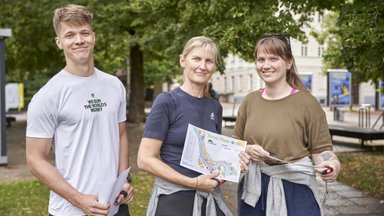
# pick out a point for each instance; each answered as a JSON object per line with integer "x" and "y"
{"x": 10, "y": 119}
{"x": 364, "y": 134}
{"x": 228, "y": 119}
{"x": 232, "y": 118}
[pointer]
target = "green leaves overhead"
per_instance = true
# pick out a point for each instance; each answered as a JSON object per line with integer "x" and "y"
{"x": 161, "y": 27}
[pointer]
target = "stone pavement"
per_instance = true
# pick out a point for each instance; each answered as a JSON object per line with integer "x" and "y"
{"x": 343, "y": 200}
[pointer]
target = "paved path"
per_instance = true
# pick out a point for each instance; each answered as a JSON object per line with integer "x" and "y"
{"x": 343, "y": 200}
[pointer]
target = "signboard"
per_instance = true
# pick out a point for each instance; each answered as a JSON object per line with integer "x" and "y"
{"x": 381, "y": 95}
{"x": 307, "y": 80}
{"x": 339, "y": 88}
{"x": 4, "y": 33}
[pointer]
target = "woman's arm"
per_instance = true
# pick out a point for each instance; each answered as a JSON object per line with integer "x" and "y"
{"x": 327, "y": 159}
{"x": 148, "y": 160}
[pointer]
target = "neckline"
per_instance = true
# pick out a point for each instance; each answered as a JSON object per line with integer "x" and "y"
{"x": 80, "y": 77}
{"x": 262, "y": 90}
{"x": 186, "y": 93}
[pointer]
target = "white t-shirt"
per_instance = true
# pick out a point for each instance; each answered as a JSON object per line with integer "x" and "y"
{"x": 81, "y": 114}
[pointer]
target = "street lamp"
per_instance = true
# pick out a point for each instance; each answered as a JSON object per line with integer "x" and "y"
{"x": 4, "y": 33}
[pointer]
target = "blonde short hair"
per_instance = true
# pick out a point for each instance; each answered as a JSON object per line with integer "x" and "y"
{"x": 204, "y": 42}
{"x": 72, "y": 14}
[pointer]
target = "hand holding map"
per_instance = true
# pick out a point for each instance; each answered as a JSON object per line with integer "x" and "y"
{"x": 205, "y": 151}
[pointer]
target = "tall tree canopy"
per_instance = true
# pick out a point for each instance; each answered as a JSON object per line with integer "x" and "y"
{"x": 146, "y": 35}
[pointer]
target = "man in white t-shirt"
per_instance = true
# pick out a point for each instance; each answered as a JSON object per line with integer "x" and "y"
{"x": 81, "y": 114}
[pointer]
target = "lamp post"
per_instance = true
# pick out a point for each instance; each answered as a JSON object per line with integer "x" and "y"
{"x": 4, "y": 33}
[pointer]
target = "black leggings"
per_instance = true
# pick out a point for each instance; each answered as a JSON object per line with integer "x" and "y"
{"x": 180, "y": 203}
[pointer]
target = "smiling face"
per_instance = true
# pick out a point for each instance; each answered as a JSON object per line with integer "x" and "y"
{"x": 199, "y": 64}
{"x": 77, "y": 43}
{"x": 271, "y": 68}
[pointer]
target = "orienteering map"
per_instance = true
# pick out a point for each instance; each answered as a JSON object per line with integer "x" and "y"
{"x": 206, "y": 151}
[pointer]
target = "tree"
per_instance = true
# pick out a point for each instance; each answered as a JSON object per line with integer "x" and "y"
{"x": 355, "y": 38}
{"x": 362, "y": 38}
{"x": 150, "y": 33}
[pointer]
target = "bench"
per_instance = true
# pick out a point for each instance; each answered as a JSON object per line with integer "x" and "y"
{"x": 236, "y": 100}
{"x": 9, "y": 119}
{"x": 228, "y": 119}
{"x": 363, "y": 134}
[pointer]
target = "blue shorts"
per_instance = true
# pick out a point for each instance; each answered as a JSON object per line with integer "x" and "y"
{"x": 299, "y": 198}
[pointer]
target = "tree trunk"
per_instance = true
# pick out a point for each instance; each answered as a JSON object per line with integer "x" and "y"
{"x": 136, "y": 96}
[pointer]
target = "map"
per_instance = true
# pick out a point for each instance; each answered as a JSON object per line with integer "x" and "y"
{"x": 205, "y": 152}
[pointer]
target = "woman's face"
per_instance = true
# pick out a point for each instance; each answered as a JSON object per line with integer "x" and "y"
{"x": 272, "y": 68}
{"x": 199, "y": 65}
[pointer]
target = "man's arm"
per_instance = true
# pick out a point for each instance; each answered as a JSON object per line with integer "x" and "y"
{"x": 124, "y": 163}
{"x": 124, "y": 151}
{"x": 37, "y": 151}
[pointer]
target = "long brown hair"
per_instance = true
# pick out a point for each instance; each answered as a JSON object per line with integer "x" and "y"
{"x": 279, "y": 45}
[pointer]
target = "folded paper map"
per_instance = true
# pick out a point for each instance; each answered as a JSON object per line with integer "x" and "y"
{"x": 205, "y": 152}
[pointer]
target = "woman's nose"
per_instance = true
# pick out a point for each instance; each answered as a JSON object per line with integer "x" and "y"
{"x": 266, "y": 64}
{"x": 203, "y": 65}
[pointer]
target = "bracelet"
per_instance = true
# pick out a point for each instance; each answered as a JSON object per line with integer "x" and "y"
{"x": 197, "y": 182}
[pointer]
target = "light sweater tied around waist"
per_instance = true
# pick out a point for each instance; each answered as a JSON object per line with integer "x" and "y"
{"x": 293, "y": 172}
{"x": 162, "y": 187}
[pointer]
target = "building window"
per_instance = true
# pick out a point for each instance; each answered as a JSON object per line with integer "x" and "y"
{"x": 239, "y": 83}
{"x": 233, "y": 84}
{"x": 304, "y": 50}
{"x": 320, "y": 51}
{"x": 250, "y": 82}
{"x": 319, "y": 18}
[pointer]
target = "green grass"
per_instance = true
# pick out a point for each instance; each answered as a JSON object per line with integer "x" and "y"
{"x": 26, "y": 197}
{"x": 363, "y": 171}
{"x": 30, "y": 197}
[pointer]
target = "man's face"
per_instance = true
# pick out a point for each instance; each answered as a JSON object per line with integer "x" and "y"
{"x": 77, "y": 42}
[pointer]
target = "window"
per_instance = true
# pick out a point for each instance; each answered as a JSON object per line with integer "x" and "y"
{"x": 320, "y": 51}
{"x": 304, "y": 50}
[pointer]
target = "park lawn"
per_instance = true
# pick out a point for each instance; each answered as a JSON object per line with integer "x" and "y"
{"x": 363, "y": 171}
{"x": 30, "y": 197}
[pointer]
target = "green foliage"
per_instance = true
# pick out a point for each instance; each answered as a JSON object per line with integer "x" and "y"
{"x": 362, "y": 35}
{"x": 161, "y": 28}
{"x": 355, "y": 38}
{"x": 30, "y": 197}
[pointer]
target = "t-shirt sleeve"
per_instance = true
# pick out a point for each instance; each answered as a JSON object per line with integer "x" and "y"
{"x": 319, "y": 138}
{"x": 219, "y": 119}
{"x": 42, "y": 118}
{"x": 158, "y": 119}
{"x": 238, "y": 131}
{"x": 123, "y": 104}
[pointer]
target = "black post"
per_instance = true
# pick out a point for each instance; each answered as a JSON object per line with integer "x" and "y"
{"x": 4, "y": 33}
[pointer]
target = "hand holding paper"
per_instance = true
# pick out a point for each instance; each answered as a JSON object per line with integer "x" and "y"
{"x": 108, "y": 191}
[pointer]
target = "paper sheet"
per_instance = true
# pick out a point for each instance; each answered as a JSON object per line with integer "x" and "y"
{"x": 108, "y": 191}
{"x": 205, "y": 152}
